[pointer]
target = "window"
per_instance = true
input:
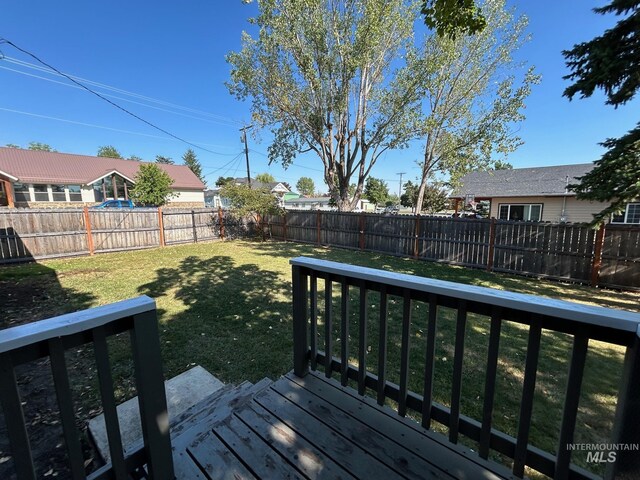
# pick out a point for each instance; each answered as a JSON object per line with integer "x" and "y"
{"x": 529, "y": 212}
{"x": 21, "y": 192}
{"x": 631, "y": 214}
{"x": 75, "y": 194}
{"x": 58, "y": 194}
{"x": 40, "y": 193}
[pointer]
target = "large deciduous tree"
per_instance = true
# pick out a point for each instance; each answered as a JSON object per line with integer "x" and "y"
{"x": 265, "y": 178}
{"x": 474, "y": 91}
{"x": 376, "y": 191}
{"x": 109, "y": 151}
{"x": 41, "y": 147}
{"x": 320, "y": 74}
{"x": 152, "y": 187}
{"x": 610, "y": 63}
{"x": 435, "y": 198}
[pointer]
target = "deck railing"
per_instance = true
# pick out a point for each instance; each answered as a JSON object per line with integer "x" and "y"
{"x": 51, "y": 338}
{"x": 582, "y": 323}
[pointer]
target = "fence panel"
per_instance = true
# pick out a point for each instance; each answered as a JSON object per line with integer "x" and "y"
{"x": 301, "y": 226}
{"x": 340, "y": 229}
{"x": 190, "y": 226}
{"x": 621, "y": 257}
{"x": 393, "y": 234}
{"x": 33, "y": 234}
{"x": 556, "y": 251}
{"x": 454, "y": 240}
{"x": 114, "y": 230}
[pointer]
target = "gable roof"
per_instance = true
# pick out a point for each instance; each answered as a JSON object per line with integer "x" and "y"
{"x": 31, "y": 166}
{"x": 271, "y": 186}
{"x": 522, "y": 182}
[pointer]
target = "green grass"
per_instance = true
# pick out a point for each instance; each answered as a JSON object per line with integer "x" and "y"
{"x": 227, "y": 307}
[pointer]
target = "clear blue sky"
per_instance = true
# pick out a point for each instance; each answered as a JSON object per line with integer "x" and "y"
{"x": 174, "y": 52}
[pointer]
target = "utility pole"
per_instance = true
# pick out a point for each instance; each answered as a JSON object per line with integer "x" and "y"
{"x": 400, "y": 186}
{"x": 246, "y": 151}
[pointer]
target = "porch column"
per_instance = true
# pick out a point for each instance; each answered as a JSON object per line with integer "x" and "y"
{"x": 115, "y": 188}
{"x": 126, "y": 191}
{"x": 8, "y": 189}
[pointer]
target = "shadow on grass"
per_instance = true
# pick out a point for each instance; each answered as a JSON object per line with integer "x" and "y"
{"x": 236, "y": 321}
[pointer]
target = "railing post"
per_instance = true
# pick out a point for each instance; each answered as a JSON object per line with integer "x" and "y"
{"x": 152, "y": 399}
{"x": 221, "y": 223}
{"x": 492, "y": 244}
{"x": 284, "y": 226}
{"x": 318, "y": 225}
{"x": 597, "y": 256}
{"x": 361, "y": 229}
{"x": 300, "y": 310}
{"x": 625, "y": 427}
{"x": 87, "y": 225}
{"x": 161, "y": 226}
{"x": 416, "y": 236}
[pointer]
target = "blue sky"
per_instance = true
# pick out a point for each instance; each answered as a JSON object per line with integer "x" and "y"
{"x": 174, "y": 52}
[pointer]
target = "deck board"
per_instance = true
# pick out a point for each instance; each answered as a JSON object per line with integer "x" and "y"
{"x": 314, "y": 428}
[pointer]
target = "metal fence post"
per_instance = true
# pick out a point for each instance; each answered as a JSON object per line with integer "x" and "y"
{"x": 300, "y": 311}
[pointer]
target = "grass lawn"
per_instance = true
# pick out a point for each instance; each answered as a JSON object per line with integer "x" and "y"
{"x": 227, "y": 307}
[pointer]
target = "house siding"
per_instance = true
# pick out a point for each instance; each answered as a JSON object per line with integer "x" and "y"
{"x": 576, "y": 211}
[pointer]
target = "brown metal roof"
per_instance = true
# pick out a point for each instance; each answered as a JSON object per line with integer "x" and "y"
{"x": 31, "y": 166}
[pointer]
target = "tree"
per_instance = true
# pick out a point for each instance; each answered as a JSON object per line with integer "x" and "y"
{"x": 502, "y": 165}
{"x": 247, "y": 202}
{"x": 265, "y": 178}
{"x": 109, "y": 152}
{"x": 472, "y": 95}
{"x": 306, "y": 186}
{"x": 451, "y": 17}
{"x": 190, "y": 160}
{"x": 12, "y": 145}
{"x": 221, "y": 181}
{"x": 152, "y": 187}
{"x": 323, "y": 77}
{"x": 434, "y": 200}
{"x": 164, "y": 160}
{"x": 134, "y": 158}
{"x": 41, "y": 147}
{"x": 610, "y": 63}
{"x": 376, "y": 191}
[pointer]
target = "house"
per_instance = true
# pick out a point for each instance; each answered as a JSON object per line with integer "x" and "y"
{"x": 39, "y": 179}
{"x": 213, "y": 199}
{"x": 535, "y": 194}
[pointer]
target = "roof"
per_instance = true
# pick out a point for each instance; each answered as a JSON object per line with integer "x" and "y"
{"x": 307, "y": 200}
{"x": 32, "y": 166}
{"x": 271, "y": 186}
{"x": 522, "y": 182}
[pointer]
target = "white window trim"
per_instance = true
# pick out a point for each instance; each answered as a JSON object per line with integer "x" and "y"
{"x": 509, "y": 205}
{"x": 626, "y": 215}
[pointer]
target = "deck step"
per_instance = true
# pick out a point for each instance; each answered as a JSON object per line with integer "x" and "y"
{"x": 184, "y": 392}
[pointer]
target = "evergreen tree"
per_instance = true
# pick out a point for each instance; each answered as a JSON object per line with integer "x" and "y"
{"x": 610, "y": 63}
{"x": 190, "y": 160}
{"x": 164, "y": 160}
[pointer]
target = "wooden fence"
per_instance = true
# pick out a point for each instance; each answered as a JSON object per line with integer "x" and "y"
{"x": 571, "y": 252}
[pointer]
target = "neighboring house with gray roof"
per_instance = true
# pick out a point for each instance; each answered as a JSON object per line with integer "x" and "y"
{"x": 37, "y": 179}
{"x": 535, "y": 194}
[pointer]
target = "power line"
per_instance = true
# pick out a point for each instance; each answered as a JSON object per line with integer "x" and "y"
{"x": 121, "y": 91}
{"x": 31, "y": 114}
{"x": 4, "y": 40}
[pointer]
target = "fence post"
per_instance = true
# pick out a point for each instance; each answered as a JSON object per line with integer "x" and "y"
{"x": 318, "y": 224}
{"x": 87, "y": 224}
{"x": 221, "y": 223}
{"x": 284, "y": 226}
{"x": 416, "y": 236}
{"x": 361, "y": 228}
{"x": 492, "y": 244}
{"x": 300, "y": 309}
{"x": 597, "y": 256}
{"x": 161, "y": 226}
{"x": 193, "y": 226}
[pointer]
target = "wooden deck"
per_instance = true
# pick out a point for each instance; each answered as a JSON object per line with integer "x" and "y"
{"x": 312, "y": 427}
